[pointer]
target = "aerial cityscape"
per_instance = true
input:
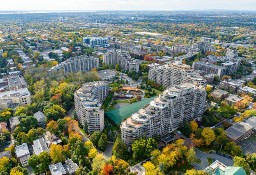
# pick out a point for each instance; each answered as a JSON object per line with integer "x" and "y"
{"x": 122, "y": 88}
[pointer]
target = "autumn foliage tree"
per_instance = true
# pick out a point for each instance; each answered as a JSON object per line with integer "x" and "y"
{"x": 208, "y": 136}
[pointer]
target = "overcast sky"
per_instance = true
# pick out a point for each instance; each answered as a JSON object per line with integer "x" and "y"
{"x": 6, "y": 5}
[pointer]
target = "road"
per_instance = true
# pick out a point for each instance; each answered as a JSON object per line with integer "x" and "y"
{"x": 204, "y": 162}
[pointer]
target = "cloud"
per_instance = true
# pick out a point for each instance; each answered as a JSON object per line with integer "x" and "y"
{"x": 127, "y": 4}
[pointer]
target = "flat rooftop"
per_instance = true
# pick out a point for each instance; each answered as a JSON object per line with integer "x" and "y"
{"x": 238, "y": 130}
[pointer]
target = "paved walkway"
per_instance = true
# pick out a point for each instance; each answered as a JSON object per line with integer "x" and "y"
{"x": 204, "y": 162}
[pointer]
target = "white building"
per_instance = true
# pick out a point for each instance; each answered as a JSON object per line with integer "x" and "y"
{"x": 39, "y": 146}
{"x": 88, "y": 102}
{"x": 22, "y": 153}
{"x": 174, "y": 74}
{"x": 164, "y": 114}
{"x": 14, "y": 98}
{"x": 96, "y": 41}
{"x": 57, "y": 169}
{"x": 77, "y": 64}
{"x": 122, "y": 58}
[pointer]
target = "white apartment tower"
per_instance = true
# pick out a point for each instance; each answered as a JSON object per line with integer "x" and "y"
{"x": 174, "y": 74}
{"x": 122, "y": 58}
{"x": 78, "y": 64}
{"x": 165, "y": 113}
{"x": 88, "y": 102}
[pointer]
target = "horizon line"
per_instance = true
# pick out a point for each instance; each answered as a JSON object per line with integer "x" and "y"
{"x": 194, "y": 10}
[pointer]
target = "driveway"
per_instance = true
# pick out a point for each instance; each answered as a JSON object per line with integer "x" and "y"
{"x": 204, "y": 162}
{"x": 108, "y": 151}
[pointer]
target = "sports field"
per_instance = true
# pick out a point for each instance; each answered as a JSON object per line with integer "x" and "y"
{"x": 118, "y": 115}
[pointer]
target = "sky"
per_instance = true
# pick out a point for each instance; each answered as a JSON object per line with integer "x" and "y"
{"x": 87, "y": 5}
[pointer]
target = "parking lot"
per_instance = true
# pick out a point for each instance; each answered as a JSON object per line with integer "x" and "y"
{"x": 249, "y": 145}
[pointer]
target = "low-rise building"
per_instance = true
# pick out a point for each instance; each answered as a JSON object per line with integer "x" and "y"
{"x": 233, "y": 99}
{"x": 57, "y": 169}
{"x": 41, "y": 118}
{"x": 252, "y": 121}
{"x": 3, "y": 126}
{"x": 70, "y": 166}
{"x": 14, "y": 98}
{"x": 219, "y": 95}
{"x": 239, "y": 131}
{"x": 22, "y": 153}
{"x": 96, "y": 41}
{"x": 5, "y": 154}
{"x": 248, "y": 90}
{"x": 14, "y": 121}
{"x": 51, "y": 139}
{"x": 219, "y": 168}
{"x": 231, "y": 86}
{"x": 107, "y": 75}
{"x": 39, "y": 146}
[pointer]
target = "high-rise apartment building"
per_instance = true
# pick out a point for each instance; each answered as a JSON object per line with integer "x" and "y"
{"x": 165, "y": 113}
{"x": 174, "y": 74}
{"x": 77, "y": 64}
{"x": 88, "y": 102}
{"x": 122, "y": 58}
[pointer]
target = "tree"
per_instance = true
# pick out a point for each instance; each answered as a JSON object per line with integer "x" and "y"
{"x": 251, "y": 159}
{"x": 52, "y": 126}
{"x": 22, "y": 138}
{"x": 118, "y": 67}
{"x": 28, "y": 123}
{"x": 56, "y": 153}
{"x": 119, "y": 149}
{"x": 92, "y": 153}
{"x": 103, "y": 141}
{"x": 5, "y": 165}
{"x": 95, "y": 137}
{"x": 5, "y": 114}
{"x": 208, "y": 135}
{"x": 33, "y": 161}
{"x": 54, "y": 112}
{"x": 120, "y": 166}
{"x": 97, "y": 163}
{"x": 45, "y": 161}
{"x": 220, "y": 141}
{"x": 241, "y": 162}
{"x": 5, "y": 54}
{"x": 142, "y": 148}
{"x": 193, "y": 125}
{"x": 19, "y": 171}
{"x": 151, "y": 169}
{"x": 191, "y": 155}
{"x": 107, "y": 169}
{"x": 208, "y": 89}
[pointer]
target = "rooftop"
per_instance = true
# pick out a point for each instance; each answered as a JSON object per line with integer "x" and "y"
{"x": 40, "y": 116}
{"x": 237, "y": 130}
{"x": 234, "y": 98}
{"x": 22, "y": 150}
{"x": 70, "y": 166}
{"x": 218, "y": 93}
{"x": 40, "y": 146}
{"x": 57, "y": 169}
{"x": 252, "y": 121}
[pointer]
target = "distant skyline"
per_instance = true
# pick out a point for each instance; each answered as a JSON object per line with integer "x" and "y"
{"x": 87, "y": 5}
